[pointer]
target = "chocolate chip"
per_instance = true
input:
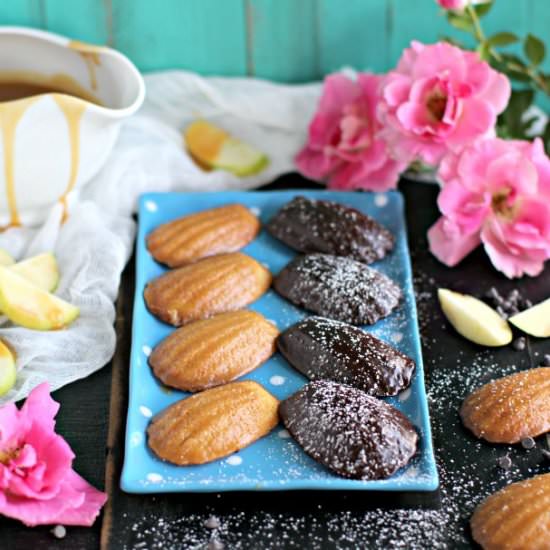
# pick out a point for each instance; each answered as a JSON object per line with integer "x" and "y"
{"x": 504, "y": 462}
{"x": 546, "y": 360}
{"x": 528, "y": 443}
{"x": 212, "y": 522}
{"x": 519, "y": 343}
{"x": 492, "y": 293}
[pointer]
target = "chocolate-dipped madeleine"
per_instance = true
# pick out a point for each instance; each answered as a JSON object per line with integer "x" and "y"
{"x": 309, "y": 225}
{"x": 324, "y": 348}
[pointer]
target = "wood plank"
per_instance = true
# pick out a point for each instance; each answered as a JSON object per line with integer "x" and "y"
{"x": 207, "y": 36}
{"x": 282, "y": 40}
{"x": 355, "y": 36}
{"x": 29, "y": 13}
{"x": 87, "y": 20}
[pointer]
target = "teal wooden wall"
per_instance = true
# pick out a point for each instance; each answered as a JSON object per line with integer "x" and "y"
{"x": 286, "y": 40}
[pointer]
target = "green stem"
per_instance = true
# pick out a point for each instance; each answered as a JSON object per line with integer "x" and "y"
{"x": 478, "y": 31}
{"x": 480, "y": 36}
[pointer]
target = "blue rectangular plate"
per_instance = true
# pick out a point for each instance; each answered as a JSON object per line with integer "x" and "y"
{"x": 275, "y": 462}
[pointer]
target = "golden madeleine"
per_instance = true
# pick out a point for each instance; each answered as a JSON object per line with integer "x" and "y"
{"x": 214, "y": 351}
{"x": 215, "y": 231}
{"x": 510, "y": 409}
{"x": 516, "y": 517}
{"x": 214, "y": 285}
{"x": 213, "y": 424}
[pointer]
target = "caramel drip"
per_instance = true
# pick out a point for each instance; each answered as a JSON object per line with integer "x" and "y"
{"x": 10, "y": 115}
{"x": 73, "y": 111}
{"x": 90, "y": 54}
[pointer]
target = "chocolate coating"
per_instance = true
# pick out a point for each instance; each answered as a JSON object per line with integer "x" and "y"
{"x": 309, "y": 225}
{"x": 353, "y": 434}
{"x": 339, "y": 288}
{"x": 326, "y": 349}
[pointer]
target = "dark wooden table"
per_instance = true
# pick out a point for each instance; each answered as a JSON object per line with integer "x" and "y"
{"x": 93, "y": 412}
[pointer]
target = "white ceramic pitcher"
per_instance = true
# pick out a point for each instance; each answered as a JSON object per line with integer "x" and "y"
{"x": 52, "y": 144}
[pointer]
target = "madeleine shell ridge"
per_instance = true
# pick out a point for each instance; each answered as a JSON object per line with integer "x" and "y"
{"x": 516, "y": 517}
{"x": 219, "y": 284}
{"x": 214, "y": 231}
{"x": 511, "y": 408}
{"x": 214, "y": 351}
{"x": 213, "y": 424}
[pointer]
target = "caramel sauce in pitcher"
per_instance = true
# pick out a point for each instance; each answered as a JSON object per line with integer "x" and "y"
{"x": 18, "y": 91}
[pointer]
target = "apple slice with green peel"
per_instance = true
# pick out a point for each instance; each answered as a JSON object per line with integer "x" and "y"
{"x": 5, "y": 258}
{"x": 474, "y": 319}
{"x": 41, "y": 271}
{"x": 535, "y": 320}
{"x": 8, "y": 372}
{"x": 29, "y": 306}
{"x": 214, "y": 148}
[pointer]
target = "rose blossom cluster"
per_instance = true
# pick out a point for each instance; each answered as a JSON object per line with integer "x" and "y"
{"x": 439, "y": 107}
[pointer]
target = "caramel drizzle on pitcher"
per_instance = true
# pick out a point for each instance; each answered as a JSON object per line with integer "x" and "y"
{"x": 72, "y": 110}
{"x": 90, "y": 54}
{"x": 10, "y": 115}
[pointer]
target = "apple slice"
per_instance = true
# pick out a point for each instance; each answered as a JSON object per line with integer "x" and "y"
{"x": 41, "y": 271}
{"x": 8, "y": 372}
{"x": 5, "y": 258}
{"x": 535, "y": 320}
{"x": 474, "y": 319}
{"x": 214, "y": 148}
{"x": 29, "y": 306}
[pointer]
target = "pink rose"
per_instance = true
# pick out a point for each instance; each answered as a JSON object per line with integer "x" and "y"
{"x": 439, "y": 99}
{"x": 37, "y": 483}
{"x": 497, "y": 193}
{"x": 343, "y": 143}
{"x": 455, "y": 5}
{"x": 459, "y": 5}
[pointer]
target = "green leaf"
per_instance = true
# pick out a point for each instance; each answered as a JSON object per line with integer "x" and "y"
{"x": 511, "y": 123}
{"x": 460, "y": 21}
{"x": 502, "y": 39}
{"x": 484, "y": 51}
{"x": 534, "y": 49}
{"x": 483, "y": 9}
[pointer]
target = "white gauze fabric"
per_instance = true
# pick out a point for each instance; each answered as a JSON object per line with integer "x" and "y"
{"x": 94, "y": 244}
